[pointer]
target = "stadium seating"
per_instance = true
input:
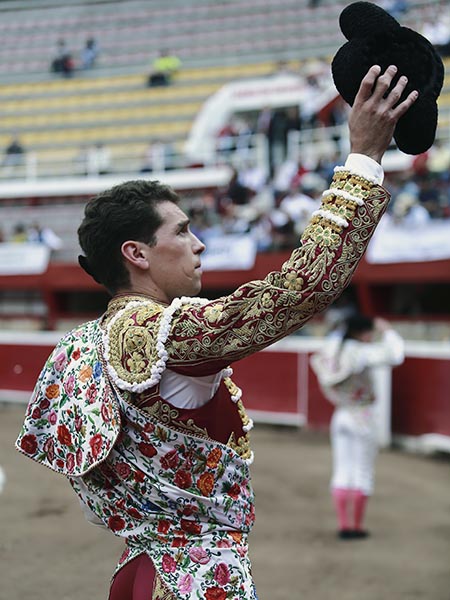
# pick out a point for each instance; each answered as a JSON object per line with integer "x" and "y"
{"x": 218, "y": 42}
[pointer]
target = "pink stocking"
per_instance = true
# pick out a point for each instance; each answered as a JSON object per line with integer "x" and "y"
{"x": 341, "y": 498}
{"x": 359, "y": 507}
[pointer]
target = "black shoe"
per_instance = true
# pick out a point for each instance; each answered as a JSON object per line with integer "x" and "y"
{"x": 345, "y": 534}
{"x": 360, "y": 534}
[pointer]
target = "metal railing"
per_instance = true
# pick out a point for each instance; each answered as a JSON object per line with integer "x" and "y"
{"x": 307, "y": 146}
{"x": 35, "y": 165}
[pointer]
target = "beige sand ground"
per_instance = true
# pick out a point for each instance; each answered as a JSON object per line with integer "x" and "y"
{"x": 48, "y": 551}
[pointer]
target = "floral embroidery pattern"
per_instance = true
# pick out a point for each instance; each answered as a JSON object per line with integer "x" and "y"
{"x": 293, "y": 281}
{"x": 189, "y": 506}
{"x": 323, "y": 236}
{"x": 72, "y": 419}
{"x": 213, "y": 313}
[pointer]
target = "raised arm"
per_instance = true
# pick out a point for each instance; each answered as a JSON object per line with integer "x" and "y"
{"x": 261, "y": 312}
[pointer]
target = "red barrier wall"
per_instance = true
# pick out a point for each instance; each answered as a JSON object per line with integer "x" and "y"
{"x": 279, "y": 385}
{"x": 421, "y": 396}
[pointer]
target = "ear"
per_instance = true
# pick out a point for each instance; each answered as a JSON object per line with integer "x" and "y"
{"x": 135, "y": 254}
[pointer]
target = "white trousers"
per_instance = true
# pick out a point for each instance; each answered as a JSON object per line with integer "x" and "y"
{"x": 354, "y": 446}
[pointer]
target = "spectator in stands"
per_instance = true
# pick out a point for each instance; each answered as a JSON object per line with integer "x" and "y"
{"x": 408, "y": 211}
{"x": 203, "y": 223}
{"x": 336, "y": 117}
{"x": 299, "y": 203}
{"x": 253, "y": 176}
{"x": 326, "y": 164}
{"x": 288, "y": 174}
{"x": 44, "y": 235}
{"x": 99, "y": 159}
{"x": 431, "y": 197}
{"x": 344, "y": 371}
{"x": 164, "y": 68}
{"x": 138, "y": 409}
{"x": 234, "y": 193}
{"x": 14, "y": 154}
{"x": 438, "y": 160}
{"x": 314, "y": 77}
{"x": 63, "y": 62}
{"x": 261, "y": 231}
{"x": 20, "y": 234}
{"x": 283, "y": 121}
{"x": 284, "y": 236}
{"x": 89, "y": 53}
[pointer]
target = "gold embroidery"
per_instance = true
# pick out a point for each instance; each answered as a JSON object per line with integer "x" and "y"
{"x": 132, "y": 343}
{"x": 121, "y": 301}
{"x": 213, "y": 313}
{"x": 243, "y": 414}
{"x": 359, "y": 186}
{"x": 170, "y": 416}
{"x": 241, "y": 446}
{"x": 231, "y": 386}
{"x": 324, "y": 233}
{"x": 340, "y": 207}
{"x": 160, "y": 590}
{"x": 293, "y": 281}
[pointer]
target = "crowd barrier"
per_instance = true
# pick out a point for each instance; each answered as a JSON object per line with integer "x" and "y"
{"x": 279, "y": 387}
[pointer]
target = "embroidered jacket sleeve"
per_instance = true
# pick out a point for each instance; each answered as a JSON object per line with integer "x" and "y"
{"x": 259, "y": 313}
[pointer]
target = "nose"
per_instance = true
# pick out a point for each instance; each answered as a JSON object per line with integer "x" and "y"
{"x": 198, "y": 245}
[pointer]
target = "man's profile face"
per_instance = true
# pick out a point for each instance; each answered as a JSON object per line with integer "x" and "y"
{"x": 175, "y": 265}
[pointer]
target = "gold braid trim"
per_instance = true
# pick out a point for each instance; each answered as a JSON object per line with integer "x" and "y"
{"x": 354, "y": 184}
{"x": 324, "y": 222}
{"x": 341, "y": 207}
{"x": 242, "y": 445}
{"x": 160, "y": 590}
{"x": 344, "y": 208}
{"x": 170, "y": 417}
{"x": 132, "y": 342}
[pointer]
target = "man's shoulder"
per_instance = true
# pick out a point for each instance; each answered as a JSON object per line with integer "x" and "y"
{"x": 84, "y": 334}
{"x": 131, "y": 342}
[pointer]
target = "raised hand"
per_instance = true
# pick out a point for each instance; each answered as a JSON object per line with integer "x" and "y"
{"x": 375, "y": 112}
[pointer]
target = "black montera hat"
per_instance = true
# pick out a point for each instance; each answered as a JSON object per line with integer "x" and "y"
{"x": 376, "y": 38}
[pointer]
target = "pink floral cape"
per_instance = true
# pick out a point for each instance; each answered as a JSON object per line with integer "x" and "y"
{"x": 184, "y": 500}
{"x": 72, "y": 419}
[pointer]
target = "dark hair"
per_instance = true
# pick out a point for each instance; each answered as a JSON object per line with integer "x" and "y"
{"x": 124, "y": 212}
{"x": 357, "y": 324}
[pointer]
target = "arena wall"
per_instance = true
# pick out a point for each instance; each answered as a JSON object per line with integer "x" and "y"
{"x": 280, "y": 388}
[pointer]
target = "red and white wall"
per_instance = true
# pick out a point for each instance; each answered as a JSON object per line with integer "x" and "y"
{"x": 279, "y": 386}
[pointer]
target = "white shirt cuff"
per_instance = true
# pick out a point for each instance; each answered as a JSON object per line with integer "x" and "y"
{"x": 366, "y": 167}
